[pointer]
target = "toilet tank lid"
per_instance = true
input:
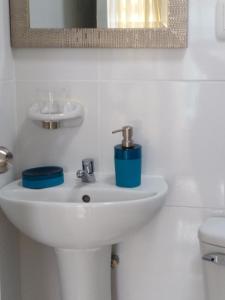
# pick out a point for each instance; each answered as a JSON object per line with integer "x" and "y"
{"x": 213, "y": 231}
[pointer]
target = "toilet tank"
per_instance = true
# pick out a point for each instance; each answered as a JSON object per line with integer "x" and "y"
{"x": 212, "y": 243}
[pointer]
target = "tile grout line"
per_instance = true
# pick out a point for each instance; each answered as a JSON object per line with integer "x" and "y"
{"x": 118, "y": 81}
{"x": 99, "y": 127}
{"x": 7, "y": 81}
{"x": 195, "y": 207}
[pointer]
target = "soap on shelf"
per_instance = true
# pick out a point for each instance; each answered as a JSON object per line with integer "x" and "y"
{"x": 53, "y": 113}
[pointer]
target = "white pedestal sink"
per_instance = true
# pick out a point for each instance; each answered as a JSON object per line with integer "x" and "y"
{"x": 82, "y": 233}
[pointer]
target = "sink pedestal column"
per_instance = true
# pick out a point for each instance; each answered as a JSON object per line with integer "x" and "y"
{"x": 85, "y": 274}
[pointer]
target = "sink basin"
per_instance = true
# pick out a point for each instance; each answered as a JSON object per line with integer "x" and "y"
{"x": 58, "y": 217}
{"x": 83, "y": 231}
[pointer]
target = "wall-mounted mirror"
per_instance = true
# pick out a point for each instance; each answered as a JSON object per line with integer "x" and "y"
{"x": 98, "y": 13}
{"x": 99, "y": 23}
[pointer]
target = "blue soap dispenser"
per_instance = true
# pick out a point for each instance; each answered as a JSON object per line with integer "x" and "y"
{"x": 127, "y": 160}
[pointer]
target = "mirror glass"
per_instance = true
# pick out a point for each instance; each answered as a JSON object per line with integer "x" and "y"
{"x": 98, "y": 13}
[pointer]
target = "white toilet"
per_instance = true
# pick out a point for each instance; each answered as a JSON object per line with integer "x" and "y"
{"x": 212, "y": 241}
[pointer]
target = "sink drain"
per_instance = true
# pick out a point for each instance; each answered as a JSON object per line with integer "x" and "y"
{"x": 86, "y": 198}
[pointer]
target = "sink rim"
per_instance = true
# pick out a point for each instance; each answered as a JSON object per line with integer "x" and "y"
{"x": 87, "y": 225}
{"x": 69, "y": 186}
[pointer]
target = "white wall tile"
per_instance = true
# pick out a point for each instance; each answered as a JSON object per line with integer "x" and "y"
{"x": 163, "y": 261}
{"x": 7, "y": 125}
{"x": 175, "y": 100}
{"x": 9, "y": 250}
{"x": 203, "y": 60}
{"x": 9, "y": 260}
{"x": 180, "y": 126}
{"x": 65, "y": 146}
{"x": 6, "y": 62}
{"x": 56, "y": 64}
{"x": 7, "y": 114}
{"x": 39, "y": 272}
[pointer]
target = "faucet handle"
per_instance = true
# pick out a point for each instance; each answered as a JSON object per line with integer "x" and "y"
{"x": 88, "y": 165}
{"x": 5, "y": 153}
{"x": 5, "y": 157}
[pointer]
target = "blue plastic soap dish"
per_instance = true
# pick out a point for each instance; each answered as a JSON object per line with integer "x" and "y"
{"x": 42, "y": 177}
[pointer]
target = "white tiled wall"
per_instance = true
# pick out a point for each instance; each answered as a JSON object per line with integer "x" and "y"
{"x": 9, "y": 238}
{"x": 175, "y": 100}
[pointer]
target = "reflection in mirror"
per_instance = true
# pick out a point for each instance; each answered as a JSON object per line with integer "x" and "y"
{"x": 98, "y": 13}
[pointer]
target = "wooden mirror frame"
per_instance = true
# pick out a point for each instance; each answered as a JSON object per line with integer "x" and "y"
{"x": 173, "y": 36}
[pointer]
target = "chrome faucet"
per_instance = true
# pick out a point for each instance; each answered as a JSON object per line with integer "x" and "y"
{"x": 5, "y": 157}
{"x": 87, "y": 173}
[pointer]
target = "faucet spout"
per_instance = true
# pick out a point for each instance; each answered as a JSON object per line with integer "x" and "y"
{"x": 87, "y": 173}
